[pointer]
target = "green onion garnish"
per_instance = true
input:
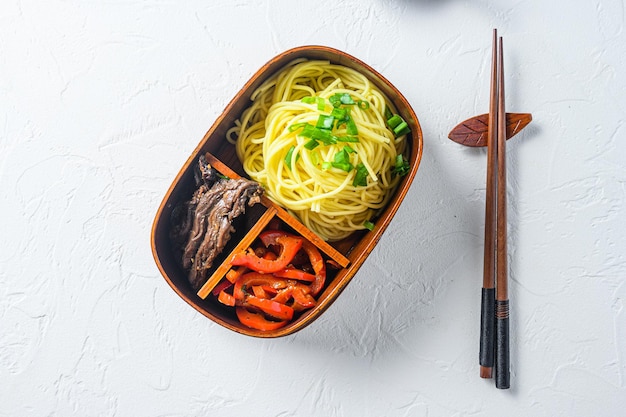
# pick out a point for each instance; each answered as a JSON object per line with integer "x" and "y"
{"x": 368, "y": 225}
{"x": 363, "y": 104}
{"x": 342, "y": 159}
{"x": 312, "y": 144}
{"x": 360, "y": 178}
{"x": 401, "y": 166}
{"x": 344, "y": 166}
{"x": 346, "y": 99}
{"x": 348, "y": 149}
{"x": 388, "y": 113}
{"x": 351, "y": 127}
{"x": 321, "y": 103}
{"x": 297, "y": 126}
{"x": 289, "y": 156}
{"x": 401, "y": 129}
{"x": 348, "y": 139}
{"x": 339, "y": 113}
{"x": 398, "y": 125}
{"x": 341, "y": 98}
{"x": 325, "y": 122}
{"x": 394, "y": 121}
{"x": 315, "y": 157}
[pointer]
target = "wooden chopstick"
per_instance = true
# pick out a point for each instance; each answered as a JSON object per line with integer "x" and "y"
{"x": 487, "y": 319}
{"x": 502, "y": 296}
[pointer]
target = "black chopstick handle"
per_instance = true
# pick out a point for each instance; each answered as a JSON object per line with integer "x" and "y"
{"x": 487, "y": 328}
{"x": 503, "y": 376}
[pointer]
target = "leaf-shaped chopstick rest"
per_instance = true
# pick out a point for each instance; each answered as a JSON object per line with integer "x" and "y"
{"x": 473, "y": 131}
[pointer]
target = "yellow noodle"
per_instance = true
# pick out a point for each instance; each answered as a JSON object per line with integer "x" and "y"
{"x": 323, "y": 199}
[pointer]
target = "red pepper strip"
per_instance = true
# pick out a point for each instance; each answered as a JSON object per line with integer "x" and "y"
{"x": 317, "y": 262}
{"x": 270, "y": 256}
{"x": 256, "y": 320}
{"x": 224, "y": 284}
{"x": 283, "y": 295}
{"x": 290, "y": 246}
{"x": 251, "y": 279}
{"x": 233, "y": 274}
{"x": 295, "y": 274}
{"x": 302, "y": 300}
{"x": 226, "y": 299}
{"x": 259, "y": 291}
{"x": 270, "y": 307}
{"x": 300, "y": 293}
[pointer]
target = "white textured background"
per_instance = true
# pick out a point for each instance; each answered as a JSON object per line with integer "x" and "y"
{"x": 102, "y": 102}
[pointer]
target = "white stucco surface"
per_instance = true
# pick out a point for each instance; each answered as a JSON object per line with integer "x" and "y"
{"x": 102, "y": 102}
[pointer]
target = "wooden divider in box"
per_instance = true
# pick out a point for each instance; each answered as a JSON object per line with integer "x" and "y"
{"x": 272, "y": 210}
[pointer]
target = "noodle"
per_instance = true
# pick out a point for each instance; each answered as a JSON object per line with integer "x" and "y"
{"x": 303, "y": 179}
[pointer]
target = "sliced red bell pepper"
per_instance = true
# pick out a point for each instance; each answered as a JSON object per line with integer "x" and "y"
{"x": 284, "y": 295}
{"x": 317, "y": 262}
{"x": 290, "y": 245}
{"x": 251, "y": 279}
{"x": 233, "y": 274}
{"x": 272, "y": 308}
{"x": 226, "y": 299}
{"x": 223, "y": 284}
{"x": 270, "y": 256}
{"x": 259, "y": 291}
{"x": 295, "y": 273}
{"x": 257, "y": 320}
{"x": 302, "y": 300}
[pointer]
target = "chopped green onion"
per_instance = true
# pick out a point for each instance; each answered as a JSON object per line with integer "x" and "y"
{"x": 394, "y": 121}
{"x": 351, "y": 127}
{"x": 346, "y": 99}
{"x": 363, "y": 104}
{"x": 326, "y": 165}
{"x": 323, "y": 135}
{"x": 388, "y": 113}
{"x": 401, "y": 129}
{"x": 339, "y": 113}
{"x": 353, "y": 139}
{"x": 360, "y": 178}
{"x": 289, "y": 156}
{"x": 344, "y": 166}
{"x": 342, "y": 156}
{"x": 401, "y": 166}
{"x": 343, "y": 117}
{"x": 368, "y": 225}
{"x": 341, "y": 98}
{"x": 398, "y": 125}
{"x": 325, "y": 122}
{"x": 312, "y": 144}
{"x": 321, "y": 103}
{"x": 335, "y": 100}
{"x": 308, "y": 130}
{"x": 315, "y": 157}
{"x": 342, "y": 159}
{"x": 297, "y": 126}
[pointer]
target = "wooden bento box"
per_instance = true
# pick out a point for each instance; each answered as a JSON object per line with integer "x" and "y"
{"x": 347, "y": 255}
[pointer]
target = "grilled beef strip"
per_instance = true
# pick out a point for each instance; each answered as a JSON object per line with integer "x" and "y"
{"x": 202, "y": 226}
